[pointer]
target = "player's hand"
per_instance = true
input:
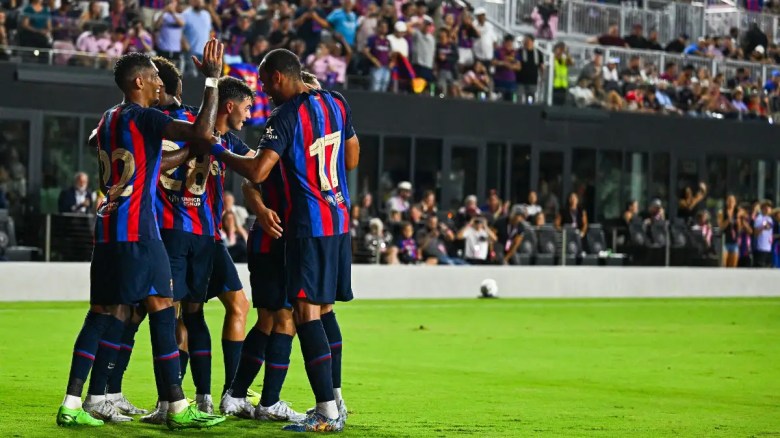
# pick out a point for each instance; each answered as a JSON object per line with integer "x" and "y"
{"x": 211, "y": 66}
{"x": 270, "y": 223}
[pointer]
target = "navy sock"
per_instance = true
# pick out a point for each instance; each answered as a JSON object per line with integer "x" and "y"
{"x": 316, "y": 354}
{"x": 277, "y": 355}
{"x": 105, "y": 359}
{"x": 199, "y": 344}
{"x": 162, "y": 388}
{"x": 123, "y": 359}
{"x": 184, "y": 358}
{"x": 162, "y": 327}
{"x": 84, "y": 350}
{"x": 231, "y": 351}
{"x": 252, "y": 358}
{"x": 334, "y": 339}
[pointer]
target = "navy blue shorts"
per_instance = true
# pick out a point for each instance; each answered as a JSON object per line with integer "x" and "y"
{"x": 267, "y": 278}
{"x": 191, "y": 259}
{"x": 129, "y": 272}
{"x": 319, "y": 269}
{"x": 224, "y": 276}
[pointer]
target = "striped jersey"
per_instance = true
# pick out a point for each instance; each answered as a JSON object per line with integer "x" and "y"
{"x": 309, "y": 132}
{"x": 276, "y": 193}
{"x": 129, "y": 139}
{"x": 183, "y": 202}
{"x": 216, "y": 184}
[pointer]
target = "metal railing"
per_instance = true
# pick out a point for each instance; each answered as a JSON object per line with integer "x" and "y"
{"x": 720, "y": 19}
{"x": 58, "y": 56}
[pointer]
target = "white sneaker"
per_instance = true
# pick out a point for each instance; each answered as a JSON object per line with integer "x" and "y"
{"x": 238, "y": 407}
{"x": 123, "y": 405}
{"x": 204, "y": 403}
{"x": 105, "y": 410}
{"x": 280, "y": 411}
{"x": 158, "y": 416}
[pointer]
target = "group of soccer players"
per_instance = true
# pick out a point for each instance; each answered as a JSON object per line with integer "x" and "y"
{"x": 158, "y": 251}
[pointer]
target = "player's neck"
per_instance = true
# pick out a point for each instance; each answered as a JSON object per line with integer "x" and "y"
{"x": 221, "y": 124}
{"x": 136, "y": 99}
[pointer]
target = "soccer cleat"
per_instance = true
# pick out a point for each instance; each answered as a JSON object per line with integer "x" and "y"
{"x": 253, "y": 397}
{"x": 123, "y": 405}
{"x": 158, "y": 416}
{"x": 316, "y": 422}
{"x": 343, "y": 414}
{"x": 76, "y": 417}
{"x": 105, "y": 410}
{"x": 192, "y": 418}
{"x": 238, "y": 407}
{"x": 204, "y": 403}
{"x": 279, "y": 411}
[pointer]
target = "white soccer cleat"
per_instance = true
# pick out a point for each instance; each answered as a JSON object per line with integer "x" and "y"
{"x": 280, "y": 411}
{"x": 238, "y": 407}
{"x": 105, "y": 410}
{"x": 204, "y": 403}
{"x": 158, "y": 416}
{"x": 123, "y": 405}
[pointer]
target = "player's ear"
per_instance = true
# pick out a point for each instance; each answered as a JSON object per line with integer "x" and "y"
{"x": 138, "y": 82}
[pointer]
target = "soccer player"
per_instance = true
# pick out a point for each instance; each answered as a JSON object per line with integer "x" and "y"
{"x": 129, "y": 262}
{"x": 310, "y": 133}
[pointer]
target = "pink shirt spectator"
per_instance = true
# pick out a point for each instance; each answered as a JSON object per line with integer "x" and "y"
{"x": 328, "y": 69}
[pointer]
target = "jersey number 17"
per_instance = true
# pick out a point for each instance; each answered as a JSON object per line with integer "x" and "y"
{"x": 319, "y": 149}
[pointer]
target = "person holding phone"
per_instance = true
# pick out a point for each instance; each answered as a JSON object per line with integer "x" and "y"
{"x": 763, "y": 226}
{"x": 478, "y": 239}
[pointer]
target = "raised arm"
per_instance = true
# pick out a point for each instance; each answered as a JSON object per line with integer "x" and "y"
{"x": 203, "y": 127}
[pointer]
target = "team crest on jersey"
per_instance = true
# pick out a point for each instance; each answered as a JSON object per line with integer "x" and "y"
{"x": 107, "y": 208}
{"x": 335, "y": 200}
{"x": 269, "y": 134}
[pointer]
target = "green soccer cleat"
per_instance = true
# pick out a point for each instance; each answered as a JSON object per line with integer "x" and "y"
{"x": 192, "y": 418}
{"x": 253, "y": 397}
{"x": 76, "y": 417}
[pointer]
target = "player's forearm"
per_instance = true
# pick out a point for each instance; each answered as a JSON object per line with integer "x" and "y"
{"x": 352, "y": 153}
{"x": 253, "y": 198}
{"x": 248, "y": 167}
{"x": 174, "y": 159}
{"x": 207, "y": 117}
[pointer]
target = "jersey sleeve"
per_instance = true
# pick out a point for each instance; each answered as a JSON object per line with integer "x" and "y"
{"x": 238, "y": 147}
{"x": 349, "y": 130}
{"x": 152, "y": 120}
{"x": 279, "y": 132}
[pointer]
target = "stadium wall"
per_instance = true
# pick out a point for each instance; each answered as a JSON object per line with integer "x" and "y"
{"x": 70, "y": 282}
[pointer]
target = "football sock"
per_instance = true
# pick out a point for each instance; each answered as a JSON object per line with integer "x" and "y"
{"x": 126, "y": 345}
{"x": 334, "y": 339}
{"x": 277, "y": 355}
{"x": 84, "y": 350}
{"x": 231, "y": 351}
{"x": 316, "y": 355}
{"x": 199, "y": 344}
{"x": 162, "y": 327}
{"x": 252, "y": 358}
{"x": 328, "y": 409}
{"x": 105, "y": 359}
{"x": 162, "y": 388}
{"x": 184, "y": 357}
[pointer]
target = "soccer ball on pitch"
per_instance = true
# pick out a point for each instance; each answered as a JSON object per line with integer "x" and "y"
{"x": 489, "y": 288}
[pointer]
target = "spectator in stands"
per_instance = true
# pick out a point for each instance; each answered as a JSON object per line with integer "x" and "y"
{"x": 702, "y": 225}
{"x": 545, "y": 19}
{"x": 561, "y": 63}
{"x": 428, "y": 203}
{"x": 754, "y": 37}
{"x": 236, "y": 39}
{"x": 119, "y": 15}
{"x": 330, "y": 70}
{"x": 468, "y": 211}
{"x": 699, "y": 48}
{"x": 484, "y": 45}
{"x": 506, "y": 67}
{"x": 763, "y": 230}
{"x": 478, "y": 240}
{"x": 446, "y": 65}
{"x": 738, "y": 101}
{"x": 655, "y": 212}
{"x": 573, "y": 215}
{"x": 241, "y": 213}
{"x": 367, "y": 207}
{"x": 400, "y": 201}
{"x": 633, "y": 75}
{"x": 532, "y": 210}
{"x": 234, "y": 237}
{"x": 477, "y": 81}
{"x": 416, "y": 217}
{"x": 631, "y": 213}
{"x": 729, "y": 225}
{"x": 758, "y": 55}
{"x": 197, "y": 29}
{"x": 35, "y": 27}
{"x": 77, "y": 198}
{"x": 92, "y": 14}
{"x": 531, "y": 66}
{"x": 431, "y": 241}
{"x": 611, "y": 75}
{"x": 493, "y": 208}
{"x": 582, "y": 95}
{"x": 678, "y": 45}
{"x": 139, "y": 39}
{"x": 398, "y": 42}
{"x": 379, "y": 242}
{"x": 636, "y": 40}
{"x": 424, "y": 49}
{"x": 231, "y": 10}
{"x": 4, "y": 52}
{"x": 594, "y": 68}
{"x": 343, "y": 20}
{"x": 283, "y": 35}
{"x": 377, "y": 51}
{"x": 744, "y": 238}
{"x": 611, "y": 38}
{"x": 670, "y": 72}
{"x": 169, "y": 24}
{"x": 309, "y": 22}
{"x": 689, "y": 203}
{"x": 63, "y": 30}
{"x": 466, "y": 35}
{"x": 407, "y": 246}
{"x": 652, "y": 41}
{"x": 509, "y": 235}
{"x": 368, "y": 26}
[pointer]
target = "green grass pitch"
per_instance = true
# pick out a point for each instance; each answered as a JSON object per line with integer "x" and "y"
{"x": 611, "y": 368}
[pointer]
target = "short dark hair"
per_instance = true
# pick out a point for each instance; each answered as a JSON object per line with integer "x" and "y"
{"x": 169, "y": 74}
{"x": 283, "y": 61}
{"x": 231, "y": 88}
{"x": 128, "y": 66}
{"x": 508, "y": 37}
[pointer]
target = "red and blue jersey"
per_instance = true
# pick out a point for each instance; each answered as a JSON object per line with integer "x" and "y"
{"x": 276, "y": 195}
{"x": 129, "y": 139}
{"x": 216, "y": 184}
{"x": 182, "y": 201}
{"x": 309, "y": 133}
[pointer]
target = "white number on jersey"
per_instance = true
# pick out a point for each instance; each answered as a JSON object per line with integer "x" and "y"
{"x": 318, "y": 149}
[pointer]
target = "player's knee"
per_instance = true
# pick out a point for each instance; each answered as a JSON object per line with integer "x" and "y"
{"x": 194, "y": 320}
{"x": 284, "y": 323}
{"x": 237, "y": 305}
{"x": 265, "y": 321}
